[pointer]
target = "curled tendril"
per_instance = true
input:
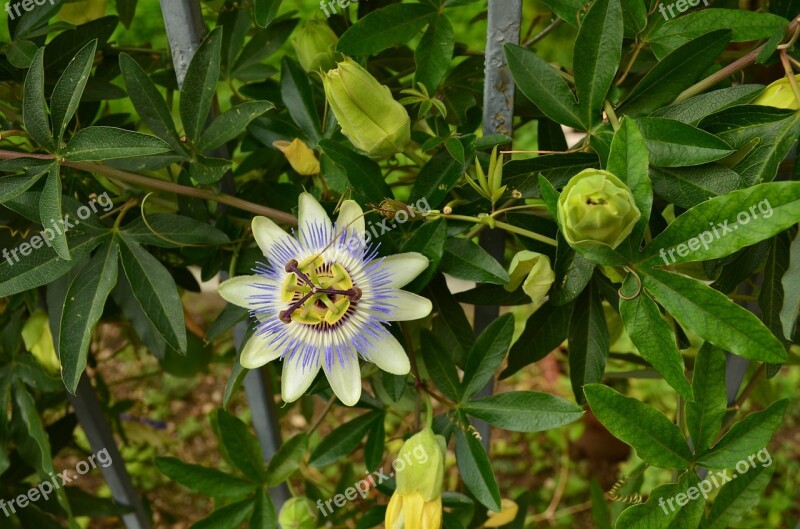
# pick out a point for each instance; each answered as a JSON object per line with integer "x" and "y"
{"x": 154, "y": 232}
{"x": 638, "y": 286}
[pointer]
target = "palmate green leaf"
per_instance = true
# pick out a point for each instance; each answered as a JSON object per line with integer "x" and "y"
{"x": 383, "y": 28}
{"x": 95, "y": 144}
{"x": 170, "y": 231}
{"x": 573, "y": 273}
{"x": 434, "y": 53}
{"x": 50, "y": 211}
{"x": 265, "y": 11}
{"x": 240, "y": 445}
{"x": 69, "y": 90}
{"x": 653, "y": 336}
{"x": 155, "y": 290}
{"x": 442, "y": 173}
{"x": 43, "y": 265}
{"x": 363, "y": 175}
{"x": 540, "y": 83}
{"x": 200, "y": 84}
{"x": 704, "y": 414}
{"x": 231, "y": 123}
{"x": 588, "y": 342}
{"x": 629, "y": 160}
{"x": 429, "y": 240}
{"x": 207, "y": 481}
{"x": 476, "y": 469}
{"x": 264, "y": 516}
{"x": 83, "y": 307}
{"x": 688, "y": 186}
{"x": 694, "y": 109}
{"x": 148, "y": 102}
{"x": 13, "y": 186}
{"x": 675, "y": 144}
{"x": 487, "y": 354}
{"x": 298, "y": 97}
{"x": 676, "y": 72}
{"x": 598, "y": 51}
{"x": 343, "y": 439}
{"x": 229, "y": 517}
{"x": 466, "y": 260}
{"x": 287, "y": 459}
{"x": 658, "y": 513}
{"x": 655, "y": 438}
{"x": 745, "y": 438}
{"x": 791, "y": 290}
{"x": 544, "y": 331}
{"x": 762, "y": 137}
{"x": 745, "y": 25}
{"x": 524, "y": 411}
{"x": 34, "y": 107}
{"x": 722, "y": 225}
{"x": 738, "y": 497}
{"x": 711, "y": 315}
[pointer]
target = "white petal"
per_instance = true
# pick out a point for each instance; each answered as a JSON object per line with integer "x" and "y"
{"x": 240, "y": 289}
{"x": 311, "y": 212}
{"x": 345, "y": 380}
{"x": 296, "y": 379}
{"x": 351, "y": 218}
{"x": 268, "y": 234}
{"x": 408, "y": 306}
{"x": 404, "y": 267}
{"x": 258, "y": 352}
{"x": 389, "y": 355}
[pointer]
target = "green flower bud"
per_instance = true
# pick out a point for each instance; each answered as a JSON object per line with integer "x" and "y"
{"x": 534, "y": 272}
{"x": 298, "y": 513}
{"x": 314, "y": 44}
{"x": 779, "y": 95}
{"x": 596, "y": 209}
{"x": 370, "y": 117}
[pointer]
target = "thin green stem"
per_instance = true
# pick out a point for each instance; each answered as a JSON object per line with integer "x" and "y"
{"x": 612, "y": 116}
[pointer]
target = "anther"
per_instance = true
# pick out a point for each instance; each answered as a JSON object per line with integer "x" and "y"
{"x": 285, "y": 316}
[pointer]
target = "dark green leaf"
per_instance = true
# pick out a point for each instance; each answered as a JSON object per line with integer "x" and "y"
{"x": 69, "y": 90}
{"x": 200, "y": 84}
{"x": 264, "y": 516}
{"x": 791, "y": 290}
{"x": 466, "y": 260}
{"x": 441, "y": 174}
{"x": 126, "y": 9}
{"x": 228, "y": 517}
{"x": 524, "y": 411}
{"x": 207, "y": 171}
{"x": 694, "y": 109}
{"x": 629, "y": 160}
{"x": 597, "y": 54}
{"x": 170, "y": 231}
{"x": 13, "y": 186}
{"x": 206, "y": 481}
{"x": 688, "y": 186}
{"x": 287, "y": 459}
{"x": 737, "y": 497}
{"x": 155, "y": 290}
{"x": 544, "y": 331}
{"x": 231, "y": 123}
{"x": 83, "y": 307}
{"x": 375, "y": 445}
{"x": 429, "y": 240}
{"x": 588, "y": 342}
{"x": 343, "y": 440}
{"x": 299, "y": 100}
{"x": 50, "y": 211}
{"x": 363, "y": 175}
{"x": 96, "y": 144}
{"x": 34, "y": 108}
{"x": 476, "y": 470}
{"x": 440, "y": 366}
{"x": 383, "y": 28}
{"x": 265, "y": 11}
{"x": 434, "y": 53}
{"x": 661, "y": 510}
{"x": 655, "y": 438}
{"x": 675, "y": 144}
{"x": 704, "y": 414}
{"x": 573, "y": 273}
{"x": 450, "y": 324}
{"x": 487, "y": 354}
{"x": 711, "y": 315}
{"x": 241, "y": 445}
{"x": 540, "y": 83}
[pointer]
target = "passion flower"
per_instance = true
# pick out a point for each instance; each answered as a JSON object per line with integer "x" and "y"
{"x": 596, "y": 209}
{"x": 323, "y": 298}
{"x": 533, "y": 271}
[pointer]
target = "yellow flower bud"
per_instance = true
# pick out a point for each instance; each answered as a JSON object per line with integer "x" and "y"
{"x": 596, "y": 209}
{"x": 534, "y": 272}
{"x": 508, "y": 511}
{"x": 300, "y": 156}
{"x": 779, "y": 94}
{"x": 369, "y": 116}
{"x": 314, "y": 44}
{"x": 298, "y": 513}
{"x": 417, "y": 501}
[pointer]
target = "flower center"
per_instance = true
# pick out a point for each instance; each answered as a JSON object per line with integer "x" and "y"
{"x": 319, "y": 293}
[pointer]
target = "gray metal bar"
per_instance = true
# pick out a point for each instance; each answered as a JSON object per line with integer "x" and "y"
{"x": 91, "y": 417}
{"x": 183, "y": 21}
{"x": 505, "y": 20}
